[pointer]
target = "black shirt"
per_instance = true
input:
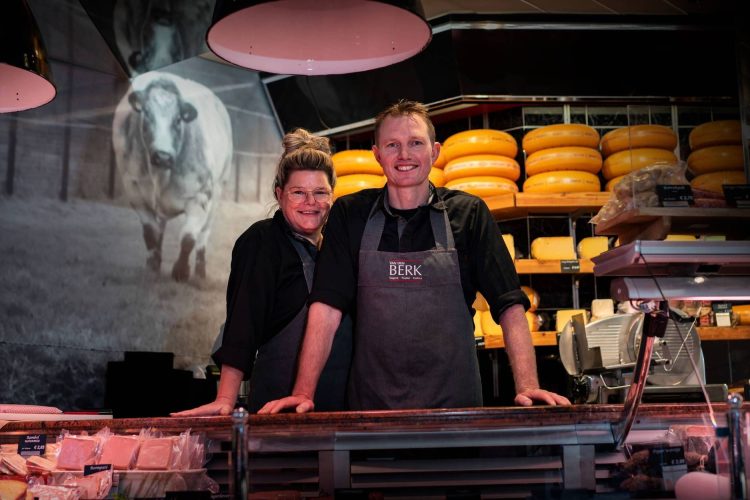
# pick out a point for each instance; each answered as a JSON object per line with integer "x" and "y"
{"x": 484, "y": 261}
{"x": 266, "y": 290}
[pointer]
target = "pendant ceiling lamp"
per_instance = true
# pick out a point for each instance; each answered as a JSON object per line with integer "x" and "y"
{"x": 317, "y": 37}
{"x": 25, "y": 76}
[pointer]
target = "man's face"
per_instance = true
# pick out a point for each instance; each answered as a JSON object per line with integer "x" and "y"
{"x": 405, "y": 151}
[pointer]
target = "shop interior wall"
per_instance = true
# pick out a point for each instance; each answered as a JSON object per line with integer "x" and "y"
{"x": 76, "y": 293}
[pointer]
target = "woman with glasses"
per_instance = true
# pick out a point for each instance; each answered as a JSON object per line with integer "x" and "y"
{"x": 269, "y": 283}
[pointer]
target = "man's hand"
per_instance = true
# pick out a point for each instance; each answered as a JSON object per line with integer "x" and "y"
{"x": 300, "y": 403}
{"x": 217, "y": 407}
{"x": 527, "y": 398}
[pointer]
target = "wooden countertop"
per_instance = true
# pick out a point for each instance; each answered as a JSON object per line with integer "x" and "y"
{"x": 478, "y": 418}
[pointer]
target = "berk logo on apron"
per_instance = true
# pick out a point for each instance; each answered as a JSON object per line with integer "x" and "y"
{"x": 405, "y": 270}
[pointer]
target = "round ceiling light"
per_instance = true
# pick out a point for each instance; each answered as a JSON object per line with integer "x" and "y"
{"x": 317, "y": 37}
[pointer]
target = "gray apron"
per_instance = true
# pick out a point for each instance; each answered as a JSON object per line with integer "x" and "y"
{"x": 414, "y": 338}
{"x": 275, "y": 367}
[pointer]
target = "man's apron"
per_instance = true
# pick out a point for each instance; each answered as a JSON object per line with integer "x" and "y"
{"x": 414, "y": 336}
{"x": 275, "y": 366}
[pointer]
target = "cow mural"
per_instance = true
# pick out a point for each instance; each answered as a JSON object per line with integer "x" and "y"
{"x": 172, "y": 139}
{"x": 152, "y": 34}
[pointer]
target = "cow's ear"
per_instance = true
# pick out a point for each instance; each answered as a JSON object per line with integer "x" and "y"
{"x": 188, "y": 112}
{"x": 135, "y": 100}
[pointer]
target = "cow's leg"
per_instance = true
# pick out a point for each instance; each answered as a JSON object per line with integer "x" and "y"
{"x": 181, "y": 268}
{"x": 200, "y": 245}
{"x": 196, "y": 217}
{"x": 153, "y": 235}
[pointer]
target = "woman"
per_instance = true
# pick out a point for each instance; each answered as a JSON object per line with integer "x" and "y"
{"x": 269, "y": 282}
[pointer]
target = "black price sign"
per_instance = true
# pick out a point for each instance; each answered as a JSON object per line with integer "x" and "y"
{"x": 674, "y": 195}
{"x": 32, "y": 444}
{"x": 737, "y": 195}
{"x": 570, "y": 266}
{"x": 93, "y": 469}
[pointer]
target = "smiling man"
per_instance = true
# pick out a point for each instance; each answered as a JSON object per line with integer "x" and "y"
{"x": 407, "y": 261}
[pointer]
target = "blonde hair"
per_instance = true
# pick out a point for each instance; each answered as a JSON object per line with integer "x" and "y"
{"x": 303, "y": 151}
{"x": 405, "y": 107}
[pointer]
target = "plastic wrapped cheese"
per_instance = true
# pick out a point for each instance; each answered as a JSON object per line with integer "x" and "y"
{"x": 155, "y": 454}
{"x": 77, "y": 451}
{"x": 120, "y": 451}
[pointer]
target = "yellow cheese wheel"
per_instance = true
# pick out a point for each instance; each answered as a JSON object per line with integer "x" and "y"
{"x": 478, "y": 324}
{"x": 564, "y": 158}
{"x": 562, "y": 181}
{"x": 742, "y": 313}
{"x": 510, "y": 245}
{"x": 480, "y": 303}
{"x": 610, "y": 186}
{"x": 592, "y": 246}
{"x": 478, "y": 142}
{"x": 347, "y": 184}
{"x": 532, "y": 296}
{"x": 715, "y": 158}
{"x": 553, "y": 248}
{"x": 565, "y": 315}
{"x": 440, "y": 162}
{"x": 483, "y": 186}
{"x": 717, "y": 133}
{"x": 478, "y": 165}
{"x": 437, "y": 177}
{"x": 356, "y": 161}
{"x": 627, "y": 161}
{"x": 638, "y": 136}
{"x": 489, "y": 327}
{"x": 680, "y": 237}
{"x": 560, "y": 135}
{"x": 714, "y": 180}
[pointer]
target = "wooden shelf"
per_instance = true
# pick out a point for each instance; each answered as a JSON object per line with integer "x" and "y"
{"x": 534, "y": 266}
{"x": 709, "y": 333}
{"x": 537, "y": 338}
{"x": 655, "y": 223}
{"x": 706, "y": 333}
{"x": 514, "y": 205}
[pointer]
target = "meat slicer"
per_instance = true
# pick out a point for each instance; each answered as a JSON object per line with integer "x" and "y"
{"x": 655, "y": 272}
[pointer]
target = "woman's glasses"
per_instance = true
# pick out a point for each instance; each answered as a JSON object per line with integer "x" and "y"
{"x": 299, "y": 195}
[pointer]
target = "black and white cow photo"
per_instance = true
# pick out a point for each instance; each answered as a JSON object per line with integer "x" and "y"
{"x": 172, "y": 139}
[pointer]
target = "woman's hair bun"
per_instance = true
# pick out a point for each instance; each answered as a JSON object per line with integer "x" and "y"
{"x": 302, "y": 139}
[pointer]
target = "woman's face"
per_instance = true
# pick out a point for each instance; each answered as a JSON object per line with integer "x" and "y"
{"x": 305, "y": 201}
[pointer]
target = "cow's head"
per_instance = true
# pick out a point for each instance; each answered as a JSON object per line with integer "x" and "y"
{"x": 161, "y": 42}
{"x": 163, "y": 116}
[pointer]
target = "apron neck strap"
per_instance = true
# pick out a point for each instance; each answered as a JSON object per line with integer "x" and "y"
{"x": 308, "y": 264}
{"x": 441, "y": 229}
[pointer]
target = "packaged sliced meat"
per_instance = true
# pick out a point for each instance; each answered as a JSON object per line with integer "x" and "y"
{"x": 120, "y": 451}
{"x": 77, "y": 451}
{"x": 156, "y": 453}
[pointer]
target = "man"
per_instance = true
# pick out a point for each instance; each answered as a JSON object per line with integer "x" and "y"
{"x": 407, "y": 260}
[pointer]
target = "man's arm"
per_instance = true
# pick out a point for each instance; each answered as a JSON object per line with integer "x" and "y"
{"x": 322, "y": 322}
{"x": 522, "y": 359}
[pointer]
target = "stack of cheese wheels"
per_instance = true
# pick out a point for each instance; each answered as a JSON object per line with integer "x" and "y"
{"x": 356, "y": 169}
{"x": 716, "y": 155}
{"x": 437, "y": 177}
{"x": 562, "y": 158}
{"x": 481, "y": 162}
{"x": 631, "y": 148}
